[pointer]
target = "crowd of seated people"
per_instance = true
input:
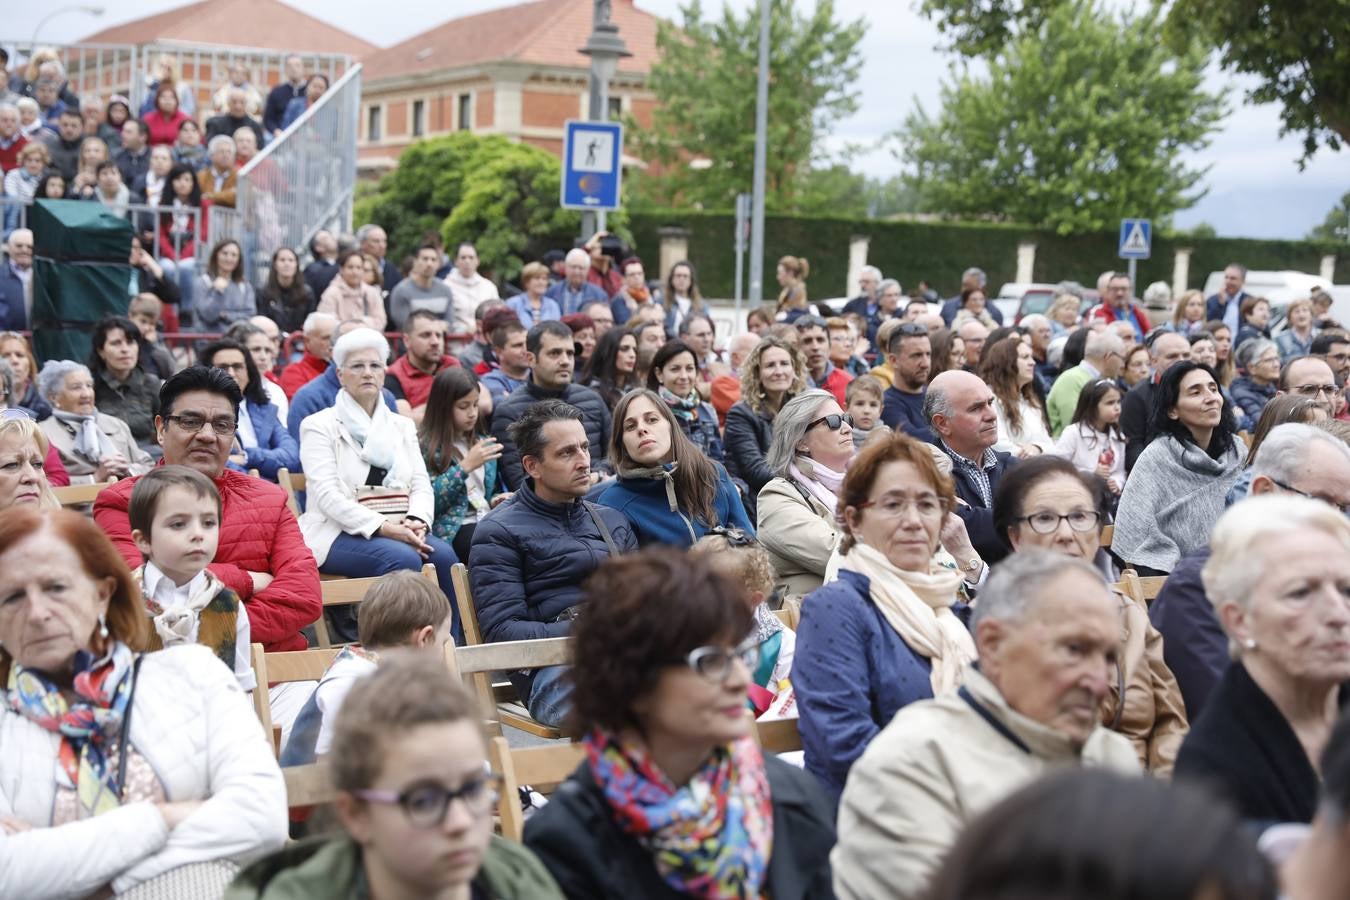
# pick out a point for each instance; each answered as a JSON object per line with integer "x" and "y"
{"x": 901, "y": 550}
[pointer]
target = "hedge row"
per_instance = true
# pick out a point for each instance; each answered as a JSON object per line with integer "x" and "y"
{"x": 937, "y": 253}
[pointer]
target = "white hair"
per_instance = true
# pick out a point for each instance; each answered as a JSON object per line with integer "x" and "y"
{"x": 1018, "y": 583}
{"x": 52, "y": 379}
{"x": 9, "y": 107}
{"x": 1283, "y": 455}
{"x": 315, "y": 319}
{"x": 1034, "y": 319}
{"x": 789, "y": 427}
{"x": 977, "y": 273}
{"x": 887, "y": 283}
{"x": 578, "y": 255}
{"x": 18, "y": 233}
{"x": 359, "y": 339}
{"x": 1238, "y": 561}
{"x": 870, "y": 270}
{"x": 1159, "y": 293}
{"x": 220, "y": 140}
{"x": 27, "y": 103}
{"x": 1101, "y": 343}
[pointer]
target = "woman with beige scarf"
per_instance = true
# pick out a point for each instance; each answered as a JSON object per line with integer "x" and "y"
{"x": 891, "y": 629}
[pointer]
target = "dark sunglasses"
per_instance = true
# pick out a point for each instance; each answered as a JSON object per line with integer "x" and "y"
{"x": 834, "y": 422}
{"x": 913, "y": 329}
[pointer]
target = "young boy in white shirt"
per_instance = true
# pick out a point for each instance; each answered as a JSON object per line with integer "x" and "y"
{"x": 174, "y": 514}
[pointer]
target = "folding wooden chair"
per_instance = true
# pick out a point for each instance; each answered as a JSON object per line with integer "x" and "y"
{"x": 1146, "y": 589}
{"x": 778, "y": 736}
{"x": 474, "y": 664}
{"x": 348, "y": 591}
{"x": 282, "y": 668}
{"x": 542, "y": 768}
{"x": 293, "y": 485}
{"x": 308, "y": 785}
{"x": 1108, "y": 532}
{"x": 80, "y": 494}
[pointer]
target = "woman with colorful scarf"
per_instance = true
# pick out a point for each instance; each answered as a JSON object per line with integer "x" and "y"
{"x": 116, "y": 767}
{"x": 674, "y": 375}
{"x": 890, "y": 630}
{"x": 812, "y": 447}
{"x": 674, "y": 798}
{"x": 670, "y": 491}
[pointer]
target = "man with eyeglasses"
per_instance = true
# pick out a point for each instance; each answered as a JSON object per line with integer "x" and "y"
{"x": 1295, "y": 459}
{"x": 910, "y": 354}
{"x": 1136, "y": 409}
{"x": 1311, "y": 377}
{"x": 813, "y": 339}
{"x": 261, "y": 555}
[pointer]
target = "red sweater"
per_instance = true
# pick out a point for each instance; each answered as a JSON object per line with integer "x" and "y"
{"x": 298, "y": 374}
{"x": 412, "y": 383}
{"x": 9, "y": 155}
{"x": 258, "y": 533}
{"x": 162, "y": 130}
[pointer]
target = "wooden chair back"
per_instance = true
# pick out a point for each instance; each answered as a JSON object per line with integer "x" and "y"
{"x": 308, "y": 785}
{"x": 778, "y": 735}
{"x": 1145, "y": 590}
{"x": 542, "y": 768}
{"x": 475, "y": 663}
{"x": 349, "y": 591}
{"x": 293, "y": 485}
{"x": 281, "y": 668}
{"x": 80, "y": 494}
{"x": 1108, "y": 532}
{"x": 468, "y": 613}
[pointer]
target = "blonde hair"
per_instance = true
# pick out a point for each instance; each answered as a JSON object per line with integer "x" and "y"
{"x": 752, "y": 390}
{"x": 27, "y": 428}
{"x": 1179, "y": 314}
{"x": 746, "y": 564}
{"x": 398, "y": 604}
{"x": 532, "y": 270}
{"x": 1064, "y": 301}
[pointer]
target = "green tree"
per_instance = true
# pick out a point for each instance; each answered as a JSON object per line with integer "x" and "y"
{"x": 705, "y": 83}
{"x": 1077, "y": 125}
{"x": 500, "y": 194}
{"x": 1299, "y": 50}
{"x": 1336, "y": 226}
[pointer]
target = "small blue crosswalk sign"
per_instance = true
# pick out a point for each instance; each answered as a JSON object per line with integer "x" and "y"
{"x": 592, "y": 172}
{"x": 1136, "y": 238}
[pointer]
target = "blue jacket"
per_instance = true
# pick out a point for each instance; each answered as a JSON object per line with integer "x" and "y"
{"x": 276, "y": 448}
{"x": 979, "y": 518}
{"x": 319, "y": 394}
{"x": 549, "y": 310}
{"x": 1195, "y": 647}
{"x": 1215, "y": 307}
{"x": 13, "y": 315}
{"x": 903, "y": 412}
{"x": 851, "y": 672}
{"x": 452, "y": 497}
{"x": 594, "y": 415}
{"x": 703, "y": 432}
{"x": 643, "y": 501}
{"x": 528, "y": 560}
{"x": 568, "y": 301}
{"x": 1251, "y": 399}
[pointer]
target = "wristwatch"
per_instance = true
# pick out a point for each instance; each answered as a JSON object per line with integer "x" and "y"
{"x": 973, "y": 568}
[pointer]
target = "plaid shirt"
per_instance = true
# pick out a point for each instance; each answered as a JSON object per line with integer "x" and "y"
{"x": 979, "y": 474}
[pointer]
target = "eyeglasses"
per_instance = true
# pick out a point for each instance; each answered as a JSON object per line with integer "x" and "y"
{"x": 426, "y": 804}
{"x": 1343, "y": 507}
{"x": 1048, "y": 522}
{"x": 363, "y": 368}
{"x": 913, "y": 329}
{"x": 892, "y": 506}
{"x": 193, "y": 424}
{"x": 834, "y": 421}
{"x": 1313, "y": 390}
{"x": 714, "y": 663}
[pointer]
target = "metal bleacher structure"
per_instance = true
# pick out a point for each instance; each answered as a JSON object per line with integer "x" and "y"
{"x": 304, "y": 180}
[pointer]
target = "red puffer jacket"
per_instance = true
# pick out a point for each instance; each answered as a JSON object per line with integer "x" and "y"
{"x": 258, "y": 533}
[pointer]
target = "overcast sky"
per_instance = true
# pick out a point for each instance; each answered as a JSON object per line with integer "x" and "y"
{"x": 1255, "y": 186}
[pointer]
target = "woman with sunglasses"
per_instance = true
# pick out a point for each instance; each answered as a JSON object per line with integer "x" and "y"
{"x": 891, "y": 629}
{"x": 670, "y": 491}
{"x": 1049, "y": 504}
{"x": 414, "y": 798}
{"x": 812, "y": 447}
{"x": 675, "y": 798}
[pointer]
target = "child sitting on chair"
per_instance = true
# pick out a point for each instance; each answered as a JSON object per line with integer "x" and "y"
{"x": 401, "y": 609}
{"x": 174, "y": 514}
{"x": 741, "y": 558}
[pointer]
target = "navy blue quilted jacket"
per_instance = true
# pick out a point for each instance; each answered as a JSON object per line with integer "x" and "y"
{"x": 529, "y": 558}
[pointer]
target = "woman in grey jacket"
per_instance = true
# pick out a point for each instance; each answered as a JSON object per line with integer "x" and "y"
{"x": 224, "y": 296}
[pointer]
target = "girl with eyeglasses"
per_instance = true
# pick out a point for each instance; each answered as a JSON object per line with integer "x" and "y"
{"x": 415, "y": 801}
{"x": 674, "y": 797}
{"x": 1048, "y": 504}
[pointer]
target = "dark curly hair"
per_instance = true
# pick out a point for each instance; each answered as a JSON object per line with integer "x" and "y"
{"x": 643, "y": 611}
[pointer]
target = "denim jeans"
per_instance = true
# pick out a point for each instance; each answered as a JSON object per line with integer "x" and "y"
{"x": 358, "y": 557}
{"x": 550, "y": 696}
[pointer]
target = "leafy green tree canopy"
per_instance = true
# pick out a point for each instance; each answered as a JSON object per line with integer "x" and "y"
{"x": 1298, "y": 49}
{"x": 705, "y": 84}
{"x": 1336, "y": 226}
{"x": 1078, "y": 123}
{"x": 499, "y": 194}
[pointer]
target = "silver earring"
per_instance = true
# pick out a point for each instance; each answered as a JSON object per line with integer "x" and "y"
{"x": 102, "y": 626}
{"x": 1249, "y": 643}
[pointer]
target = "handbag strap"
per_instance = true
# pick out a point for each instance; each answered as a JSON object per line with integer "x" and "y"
{"x": 604, "y": 529}
{"x": 126, "y": 730}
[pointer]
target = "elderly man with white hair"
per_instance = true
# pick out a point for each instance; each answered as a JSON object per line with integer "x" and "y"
{"x": 16, "y": 281}
{"x": 219, "y": 180}
{"x": 1279, "y": 579}
{"x": 1294, "y": 459}
{"x": 1047, "y": 630}
{"x": 575, "y": 291}
{"x": 369, "y": 503}
{"x": 318, "y": 333}
{"x": 1103, "y": 355}
{"x": 867, "y": 303}
{"x": 12, "y": 138}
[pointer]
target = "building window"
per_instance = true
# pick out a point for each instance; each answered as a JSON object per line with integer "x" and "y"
{"x": 373, "y": 123}
{"x": 615, "y": 109}
{"x": 418, "y": 118}
{"x": 465, "y": 101}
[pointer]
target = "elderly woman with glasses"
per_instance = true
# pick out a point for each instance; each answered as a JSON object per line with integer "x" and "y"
{"x": 93, "y": 447}
{"x": 1279, "y": 580}
{"x": 674, "y": 797}
{"x": 1048, "y": 504}
{"x": 415, "y": 800}
{"x": 812, "y": 447}
{"x": 891, "y": 629}
{"x": 369, "y": 501}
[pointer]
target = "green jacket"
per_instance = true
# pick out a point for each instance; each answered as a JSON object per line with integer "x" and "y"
{"x": 330, "y": 868}
{"x": 1063, "y": 397}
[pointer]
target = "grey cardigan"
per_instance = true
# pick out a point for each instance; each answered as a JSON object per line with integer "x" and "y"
{"x": 1173, "y": 497}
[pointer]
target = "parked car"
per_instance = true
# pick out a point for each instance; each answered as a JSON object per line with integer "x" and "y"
{"x": 1038, "y": 298}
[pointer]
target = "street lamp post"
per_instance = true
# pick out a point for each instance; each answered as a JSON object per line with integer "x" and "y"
{"x": 90, "y": 10}
{"x": 761, "y": 144}
{"x": 605, "y": 48}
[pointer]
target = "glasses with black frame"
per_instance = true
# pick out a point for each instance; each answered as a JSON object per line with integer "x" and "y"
{"x": 834, "y": 421}
{"x": 1343, "y": 507}
{"x": 714, "y": 664}
{"x": 1048, "y": 522}
{"x": 426, "y": 803}
{"x": 191, "y": 423}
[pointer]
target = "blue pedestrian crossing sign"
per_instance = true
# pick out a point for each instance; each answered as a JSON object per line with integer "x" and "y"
{"x": 591, "y": 172}
{"x": 1136, "y": 238}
